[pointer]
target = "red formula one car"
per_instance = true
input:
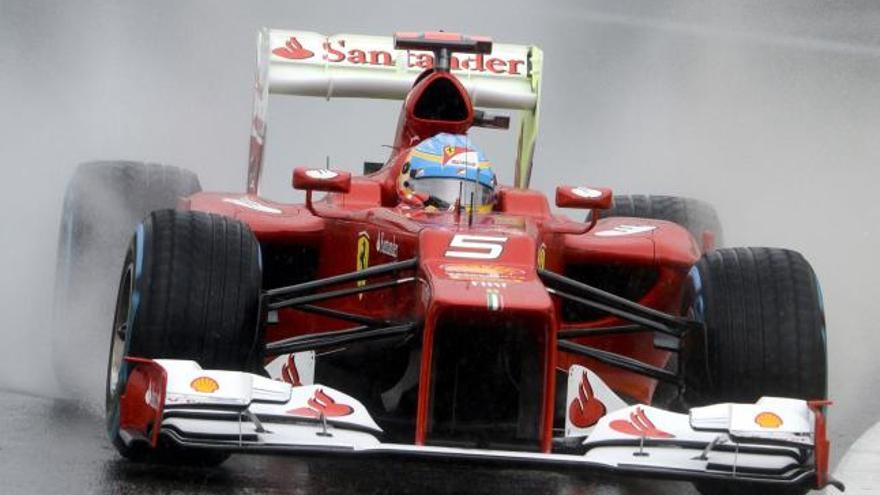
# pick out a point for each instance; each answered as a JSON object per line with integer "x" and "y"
{"x": 422, "y": 309}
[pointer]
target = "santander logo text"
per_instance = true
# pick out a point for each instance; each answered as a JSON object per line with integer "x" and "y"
{"x": 344, "y": 51}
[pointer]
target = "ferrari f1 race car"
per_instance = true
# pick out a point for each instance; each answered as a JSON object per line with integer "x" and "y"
{"x": 424, "y": 310}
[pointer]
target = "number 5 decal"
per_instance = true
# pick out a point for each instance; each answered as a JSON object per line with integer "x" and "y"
{"x": 476, "y": 247}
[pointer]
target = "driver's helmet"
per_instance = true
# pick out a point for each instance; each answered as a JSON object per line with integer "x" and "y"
{"x": 444, "y": 168}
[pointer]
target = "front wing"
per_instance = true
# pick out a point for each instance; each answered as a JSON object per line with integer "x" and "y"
{"x": 774, "y": 441}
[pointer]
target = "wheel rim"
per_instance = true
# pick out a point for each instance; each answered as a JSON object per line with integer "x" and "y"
{"x": 121, "y": 322}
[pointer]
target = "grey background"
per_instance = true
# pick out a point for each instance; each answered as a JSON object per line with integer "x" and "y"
{"x": 770, "y": 110}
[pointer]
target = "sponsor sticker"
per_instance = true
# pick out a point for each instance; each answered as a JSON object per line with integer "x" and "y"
{"x": 297, "y": 369}
{"x": 386, "y": 246}
{"x": 252, "y": 204}
{"x": 768, "y": 419}
{"x": 586, "y": 192}
{"x": 639, "y": 426}
{"x": 363, "y": 257}
{"x": 469, "y": 271}
{"x": 205, "y": 385}
{"x": 293, "y": 50}
{"x": 321, "y": 174}
{"x": 322, "y": 404}
{"x": 588, "y": 400}
{"x": 464, "y": 159}
{"x": 379, "y": 52}
{"x": 622, "y": 229}
{"x": 586, "y": 409}
{"x": 542, "y": 256}
{"x": 289, "y": 373}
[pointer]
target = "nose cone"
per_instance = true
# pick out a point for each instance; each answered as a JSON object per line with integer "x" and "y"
{"x": 484, "y": 298}
{"x": 483, "y": 270}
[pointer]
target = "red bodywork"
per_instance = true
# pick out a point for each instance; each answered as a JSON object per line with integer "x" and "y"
{"x": 143, "y": 402}
{"x": 452, "y": 287}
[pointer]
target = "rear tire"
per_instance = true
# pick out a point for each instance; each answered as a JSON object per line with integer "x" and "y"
{"x": 189, "y": 290}
{"x": 765, "y": 327}
{"x": 698, "y": 217}
{"x": 103, "y": 203}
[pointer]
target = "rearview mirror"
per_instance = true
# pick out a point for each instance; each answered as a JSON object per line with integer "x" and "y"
{"x": 590, "y": 198}
{"x": 321, "y": 179}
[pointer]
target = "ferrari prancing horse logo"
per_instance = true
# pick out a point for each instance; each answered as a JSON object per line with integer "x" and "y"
{"x": 363, "y": 257}
{"x": 542, "y": 256}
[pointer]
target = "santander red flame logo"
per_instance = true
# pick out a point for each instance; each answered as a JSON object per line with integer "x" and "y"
{"x": 639, "y": 425}
{"x": 586, "y": 409}
{"x": 289, "y": 373}
{"x": 293, "y": 50}
{"x": 322, "y": 403}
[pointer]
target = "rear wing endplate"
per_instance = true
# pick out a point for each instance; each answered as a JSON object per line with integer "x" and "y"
{"x": 356, "y": 66}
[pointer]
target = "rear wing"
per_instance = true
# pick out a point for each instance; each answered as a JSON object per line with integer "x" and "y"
{"x": 356, "y": 66}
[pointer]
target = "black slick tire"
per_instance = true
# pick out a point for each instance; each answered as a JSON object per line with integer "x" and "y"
{"x": 764, "y": 336}
{"x": 764, "y": 326}
{"x": 196, "y": 280}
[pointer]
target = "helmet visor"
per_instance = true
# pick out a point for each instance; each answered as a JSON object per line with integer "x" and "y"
{"x": 443, "y": 192}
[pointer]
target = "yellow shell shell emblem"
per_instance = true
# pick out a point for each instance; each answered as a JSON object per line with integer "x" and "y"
{"x": 205, "y": 385}
{"x": 768, "y": 420}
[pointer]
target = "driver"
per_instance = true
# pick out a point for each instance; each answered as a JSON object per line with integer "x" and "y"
{"x": 444, "y": 171}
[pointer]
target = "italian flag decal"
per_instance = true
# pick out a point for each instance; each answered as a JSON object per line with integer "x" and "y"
{"x": 493, "y": 300}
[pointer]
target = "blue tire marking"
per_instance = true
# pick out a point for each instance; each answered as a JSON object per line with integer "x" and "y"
{"x": 698, "y": 304}
{"x": 132, "y": 311}
{"x": 139, "y": 250}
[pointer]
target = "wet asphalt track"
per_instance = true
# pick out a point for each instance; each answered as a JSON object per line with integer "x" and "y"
{"x": 51, "y": 447}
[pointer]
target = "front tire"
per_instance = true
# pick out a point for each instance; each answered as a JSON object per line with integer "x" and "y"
{"x": 764, "y": 335}
{"x": 765, "y": 326}
{"x": 189, "y": 290}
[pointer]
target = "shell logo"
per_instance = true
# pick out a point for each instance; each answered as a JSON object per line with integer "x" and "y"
{"x": 204, "y": 384}
{"x": 768, "y": 420}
